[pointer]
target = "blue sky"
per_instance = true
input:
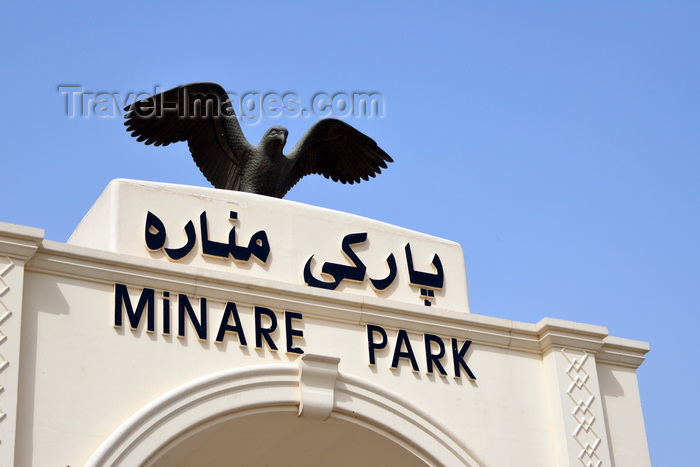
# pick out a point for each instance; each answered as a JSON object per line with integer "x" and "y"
{"x": 557, "y": 142}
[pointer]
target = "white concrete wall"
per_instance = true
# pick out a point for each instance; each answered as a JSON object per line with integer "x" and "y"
{"x": 551, "y": 393}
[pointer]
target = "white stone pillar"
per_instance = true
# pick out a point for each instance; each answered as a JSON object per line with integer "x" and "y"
{"x": 578, "y": 419}
{"x": 17, "y": 246}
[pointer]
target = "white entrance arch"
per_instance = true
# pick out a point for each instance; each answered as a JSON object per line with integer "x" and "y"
{"x": 219, "y": 397}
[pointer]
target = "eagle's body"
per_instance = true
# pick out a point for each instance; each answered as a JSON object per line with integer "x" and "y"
{"x": 202, "y": 115}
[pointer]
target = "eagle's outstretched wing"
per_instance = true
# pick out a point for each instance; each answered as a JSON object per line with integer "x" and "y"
{"x": 336, "y": 150}
{"x": 202, "y": 115}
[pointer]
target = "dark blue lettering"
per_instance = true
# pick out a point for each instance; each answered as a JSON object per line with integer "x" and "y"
{"x": 185, "y": 308}
{"x": 264, "y": 333}
{"x": 224, "y": 327}
{"x": 371, "y": 345}
{"x": 458, "y": 358}
{"x": 146, "y": 301}
{"x": 166, "y": 313}
{"x": 431, "y": 358}
{"x": 291, "y": 332}
{"x": 401, "y": 341}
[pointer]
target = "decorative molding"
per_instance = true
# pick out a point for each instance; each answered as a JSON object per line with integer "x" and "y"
{"x": 373, "y": 406}
{"x": 622, "y": 352}
{"x": 18, "y": 241}
{"x": 583, "y": 402}
{"x": 184, "y": 408}
{"x": 274, "y": 387}
{"x": 4, "y": 288}
{"x": 317, "y": 375}
{"x": 6, "y": 264}
{"x": 105, "y": 267}
{"x": 559, "y": 333}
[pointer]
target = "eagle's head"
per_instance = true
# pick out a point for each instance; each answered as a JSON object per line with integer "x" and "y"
{"x": 274, "y": 139}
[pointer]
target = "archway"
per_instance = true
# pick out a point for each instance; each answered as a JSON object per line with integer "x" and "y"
{"x": 259, "y": 405}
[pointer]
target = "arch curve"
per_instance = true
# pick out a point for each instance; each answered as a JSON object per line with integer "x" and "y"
{"x": 273, "y": 387}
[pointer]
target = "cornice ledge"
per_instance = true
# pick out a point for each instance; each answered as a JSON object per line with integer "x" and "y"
{"x": 104, "y": 266}
{"x": 485, "y": 330}
{"x": 568, "y": 334}
{"x": 18, "y": 241}
{"x": 625, "y": 352}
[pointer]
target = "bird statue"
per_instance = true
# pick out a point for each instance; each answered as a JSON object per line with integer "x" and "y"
{"x": 202, "y": 115}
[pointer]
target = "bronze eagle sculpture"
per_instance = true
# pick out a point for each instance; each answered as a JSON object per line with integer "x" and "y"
{"x": 202, "y": 115}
